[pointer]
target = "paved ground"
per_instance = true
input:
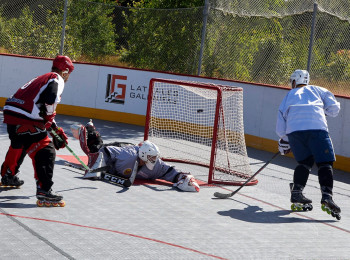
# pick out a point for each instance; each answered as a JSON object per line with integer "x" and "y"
{"x": 156, "y": 221}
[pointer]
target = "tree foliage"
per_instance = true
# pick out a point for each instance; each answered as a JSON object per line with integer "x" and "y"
{"x": 166, "y": 35}
{"x": 89, "y": 30}
{"x": 168, "y": 41}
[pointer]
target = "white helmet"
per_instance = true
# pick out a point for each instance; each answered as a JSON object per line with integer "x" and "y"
{"x": 149, "y": 153}
{"x": 301, "y": 77}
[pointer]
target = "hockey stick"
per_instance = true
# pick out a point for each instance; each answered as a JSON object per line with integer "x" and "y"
{"x": 116, "y": 179}
{"x": 69, "y": 149}
{"x": 227, "y": 195}
{"x": 134, "y": 172}
{"x": 104, "y": 176}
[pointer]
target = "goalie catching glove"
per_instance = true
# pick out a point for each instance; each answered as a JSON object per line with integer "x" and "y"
{"x": 186, "y": 182}
{"x": 60, "y": 141}
{"x": 283, "y": 146}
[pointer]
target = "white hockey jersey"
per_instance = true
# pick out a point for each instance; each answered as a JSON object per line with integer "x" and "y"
{"x": 306, "y": 108}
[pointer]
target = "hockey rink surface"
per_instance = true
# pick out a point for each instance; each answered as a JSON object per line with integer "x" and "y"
{"x": 153, "y": 220}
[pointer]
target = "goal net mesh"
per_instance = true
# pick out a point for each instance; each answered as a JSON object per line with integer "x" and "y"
{"x": 200, "y": 124}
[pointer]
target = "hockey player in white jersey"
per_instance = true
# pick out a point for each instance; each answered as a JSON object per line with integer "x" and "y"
{"x": 122, "y": 161}
{"x": 302, "y": 128}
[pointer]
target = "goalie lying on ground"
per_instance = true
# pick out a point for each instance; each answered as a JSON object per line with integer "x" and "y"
{"x": 122, "y": 161}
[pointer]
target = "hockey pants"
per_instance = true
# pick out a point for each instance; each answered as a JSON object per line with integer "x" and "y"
{"x": 36, "y": 143}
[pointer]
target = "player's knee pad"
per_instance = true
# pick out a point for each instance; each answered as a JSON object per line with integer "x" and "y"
{"x": 301, "y": 174}
{"x": 325, "y": 174}
{"x": 308, "y": 162}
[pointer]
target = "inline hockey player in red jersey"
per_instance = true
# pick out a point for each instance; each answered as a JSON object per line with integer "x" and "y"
{"x": 29, "y": 114}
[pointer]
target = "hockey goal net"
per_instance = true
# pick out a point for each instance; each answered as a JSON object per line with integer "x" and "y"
{"x": 201, "y": 124}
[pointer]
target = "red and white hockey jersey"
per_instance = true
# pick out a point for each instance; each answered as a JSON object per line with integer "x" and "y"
{"x": 36, "y": 99}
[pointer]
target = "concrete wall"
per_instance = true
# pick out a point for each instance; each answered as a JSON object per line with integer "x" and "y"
{"x": 87, "y": 91}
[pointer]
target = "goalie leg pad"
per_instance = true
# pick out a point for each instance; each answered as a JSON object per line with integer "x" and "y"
{"x": 186, "y": 182}
{"x": 96, "y": 161}
{"x": 83, "y": 140}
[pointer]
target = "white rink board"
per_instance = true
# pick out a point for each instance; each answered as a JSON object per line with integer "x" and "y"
{"x": 88, "y": 84}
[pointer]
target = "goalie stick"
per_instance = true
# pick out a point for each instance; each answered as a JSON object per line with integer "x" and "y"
{"x": 114, "y": 178}
{"x": 104, "y": 176}
{"x": 110, "y": 177}
{"x": 228, "y": 195}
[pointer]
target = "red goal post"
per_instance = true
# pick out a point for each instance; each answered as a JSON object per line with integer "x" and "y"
{"x": 202, "y": 124}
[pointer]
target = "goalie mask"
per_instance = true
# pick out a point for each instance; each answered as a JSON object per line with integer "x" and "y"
{"x": 149, "y": 153}
{"x": 301, "y": 77}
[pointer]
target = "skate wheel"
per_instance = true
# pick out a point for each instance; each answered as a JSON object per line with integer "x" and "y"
{"x": 337, "y": 216}
{"x": 62, "y": 203}
{"x": 47, "y": 204}
{"x": 40, "y": 203}
{"x": 295, "y": 207}
{"x": 323, "y": 207}
{"x": 308, "y": 207}
{"x": 55, "y": 204}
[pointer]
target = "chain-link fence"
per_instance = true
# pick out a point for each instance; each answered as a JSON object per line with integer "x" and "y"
{"x": 255, "y": 40}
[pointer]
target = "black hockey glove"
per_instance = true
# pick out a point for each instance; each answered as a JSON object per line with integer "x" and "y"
{"x": 283, "y": 146}
{"x": 60, "y": 141}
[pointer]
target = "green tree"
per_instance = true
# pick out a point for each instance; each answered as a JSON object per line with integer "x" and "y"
{"x": 163, "y": 39}
{"x": 90, "y": 31}
{"x": 27, "y": 36}
{"x": 168, "y": 3}
{"x": 246, "y": 47}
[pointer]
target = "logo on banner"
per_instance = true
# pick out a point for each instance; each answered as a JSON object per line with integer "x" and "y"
{"x": 116, "y": 90}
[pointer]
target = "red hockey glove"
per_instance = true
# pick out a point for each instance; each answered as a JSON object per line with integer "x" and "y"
{"x": 62, "y": 140}
{"x": 49, "y": 120}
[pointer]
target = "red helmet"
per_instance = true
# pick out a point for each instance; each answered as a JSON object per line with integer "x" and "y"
{"x": 63, "y": 63}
